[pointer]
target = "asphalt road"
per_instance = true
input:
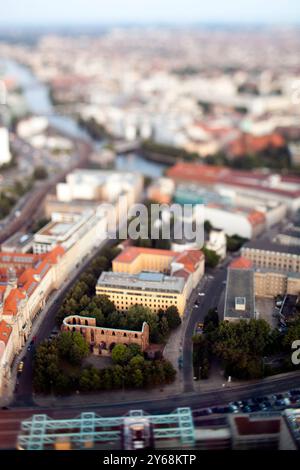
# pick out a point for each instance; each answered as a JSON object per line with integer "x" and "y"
{"x": 213, "y": 291}
{"x": 10, "y": 420}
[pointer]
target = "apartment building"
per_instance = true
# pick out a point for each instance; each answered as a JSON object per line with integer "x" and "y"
{"x": 267, "y": 254}
{"x": 26, "y": 282}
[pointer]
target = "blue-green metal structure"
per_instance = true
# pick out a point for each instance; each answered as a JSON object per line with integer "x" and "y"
{"x": 40, "y": 431}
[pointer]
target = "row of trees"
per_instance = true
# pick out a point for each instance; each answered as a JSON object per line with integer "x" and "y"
{"x": 58, "y": 368}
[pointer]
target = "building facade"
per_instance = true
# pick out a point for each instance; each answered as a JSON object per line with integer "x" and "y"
{"x": 267, "y": 254}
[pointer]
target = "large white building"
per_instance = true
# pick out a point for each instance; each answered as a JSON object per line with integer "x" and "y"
{"x": 99, "y": 185}
{"x": 5, "y": 155}
{"x": 67, "y": 229}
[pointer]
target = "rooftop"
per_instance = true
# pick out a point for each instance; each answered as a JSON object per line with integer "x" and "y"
{"x": 145, "y": 281}
{"x": 287, "y": 186}
{"x": 268, "y": 245}
{"x": 189, "y": 258}
{"x": 240, "y": 284}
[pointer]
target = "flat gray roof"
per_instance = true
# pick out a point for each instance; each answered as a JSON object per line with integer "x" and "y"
{"x": 240, "y": 284}
{"x": 143, "y": 281}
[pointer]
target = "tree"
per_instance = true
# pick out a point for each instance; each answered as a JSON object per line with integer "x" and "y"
{"x": 211, "y": 258}
{"x": 173, "y": 317}
{"x": 241, "y": 346}
{"x": 40, "y": 173}
{"x": 72, "y": 346}
{"x": 120, "y": 354}
{"x": 211, "y": 321}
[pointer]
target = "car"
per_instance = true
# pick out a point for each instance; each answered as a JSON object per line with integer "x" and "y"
{"x": 220, "y": 409}
{"x": 246, "y": 409}
{"x": 201, "y": 294}
{"x": 20, "y": 367}
{"x": 233, "y": 408}
{"x": 204, "y": 412}
{"x": 255, "y": 408}
{"x": 295, "y": 392}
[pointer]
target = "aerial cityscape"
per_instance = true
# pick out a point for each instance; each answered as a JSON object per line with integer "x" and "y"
{"x": 150, "y": 228}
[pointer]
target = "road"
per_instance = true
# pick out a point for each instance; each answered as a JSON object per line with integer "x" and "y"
{"x": 213, "y": 290}
{"x": 10, "y": 419}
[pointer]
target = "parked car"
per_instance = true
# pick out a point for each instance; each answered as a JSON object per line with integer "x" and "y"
{"x": 20, "y": 367}
{"x": 204, "y": 412}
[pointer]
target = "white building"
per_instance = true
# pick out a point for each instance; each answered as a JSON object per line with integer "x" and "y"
{"x": 67, "y": 230}
{"x": 99, "y": 185}
{"x": 5, "y": 155}
{"x": 217, "y": 242}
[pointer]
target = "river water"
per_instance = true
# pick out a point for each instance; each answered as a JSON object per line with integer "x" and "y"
{"x": 38, "y": 102}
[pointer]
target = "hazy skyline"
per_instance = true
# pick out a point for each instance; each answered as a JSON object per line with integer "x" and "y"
{"x": 65, "y": 12}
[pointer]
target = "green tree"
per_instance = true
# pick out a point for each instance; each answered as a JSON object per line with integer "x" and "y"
{"x": 173, "y": 317}
{"x": 211, "y": 258}
{"x": 120, "y": 354}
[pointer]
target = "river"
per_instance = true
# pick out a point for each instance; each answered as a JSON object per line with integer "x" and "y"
{"x": 36, "y": 94}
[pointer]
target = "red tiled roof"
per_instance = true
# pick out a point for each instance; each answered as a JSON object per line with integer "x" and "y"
{"x": 211, "y": 175}
{"x": 241, "y": 263}
{"x": 29, "y": 279}
{"x": 5, "y": 331}
{"x": 130, "y": 253}
{"x": 247, "y": 143}
{"x": 189, "y": 258}
{"x": 256, "y": 218}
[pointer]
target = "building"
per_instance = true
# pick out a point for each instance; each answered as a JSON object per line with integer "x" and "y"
{"x": 67, "y": 229}
{"x": 100, "y": 185}
{"x": 231, "y": 200}
{"x": 5, "y": 155}
{"x": 269, "y": 282}
{"x": 289, "y": 237}
{"x": 136, "y": 430}
{"x": 239, "y": 297}
{"x": 161, "y": 191}
{"x": 18, "y": 243}
{"x": 26, "y": 282}
{"x": 250, "y": 432}
{"x": 153, "y": 290}
{"x": 267, "y": 254}
{"x": 217, "y": 242}
{"x": 52, "y": 204}
{"x": 188, "y": 265}
{"x": 285, "y": 189}
{"x": 102, "y": 340}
